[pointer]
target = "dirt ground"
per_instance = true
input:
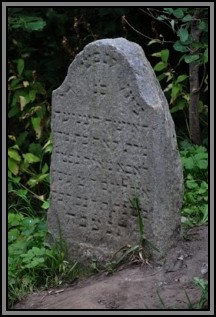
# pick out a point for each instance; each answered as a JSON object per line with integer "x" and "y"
{"x": 135, "y": 287}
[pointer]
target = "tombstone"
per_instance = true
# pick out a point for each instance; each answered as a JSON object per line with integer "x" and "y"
{"x": 113, "y": 138}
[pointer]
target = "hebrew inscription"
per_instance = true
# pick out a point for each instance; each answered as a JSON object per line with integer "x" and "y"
{"x": 113, "y": 137}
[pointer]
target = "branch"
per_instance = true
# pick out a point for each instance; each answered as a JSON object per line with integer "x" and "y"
{"x": 149, "y": 38}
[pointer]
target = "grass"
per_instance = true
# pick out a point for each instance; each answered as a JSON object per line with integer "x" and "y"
{"x": 201, "y": 304}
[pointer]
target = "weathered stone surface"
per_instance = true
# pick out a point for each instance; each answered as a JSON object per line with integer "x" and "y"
{"x": 113, "y": 136}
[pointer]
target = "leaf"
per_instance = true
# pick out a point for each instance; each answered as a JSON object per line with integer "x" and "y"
{"x": 172, "y": 22}
{"x": 191, "y": 184}
{"x": 181, "y": 78}
{"x": 45, "y": 168}
{"x": 175, "y": 91}
{"x": 154, "y": 41}
{"x": 45, "y": 205}
{"x": 36, "y": 122}
{"x": 13, "y": 112}
{"x": 20, "y": 66}
{"x": 180, "y": 106}
{"x": 203, "y": 26}
{"x": 187, "y": 18}
{"x": 14, "y": 82}
{"x": 13, "y": 166}
{"x": 183, "y": 34}
{"x": 165, "y": 55}
{"x": 157, "y": 54}
{"x": 48, "y": 147}
{"x": 179, "y": 47}
{"x": 178, "y": 13}
{"x": 168, "y": 10}
{"x": 25, "y": 83}
{"x": 12, "y": 153}
{"x": 161, "y": 17}
{"x": 35, "y": 148}
{"x": 31, "y": 158}
{"x": 188, "y": 163}
{"x": 206, "y": 55}
{"x": 14, "y": 219}
{"x": 23, "y": 102}
{"x": 161, "y": 77}
{"x": 32, "y": 95}
{"x": 36, "y": 25}
{"x": 21, "y": 138}
{"x": 203, "y": 164}
{"x": 160, "y": 66}
{"x": 13, "y": 234}
{"x": 191, "y": 58}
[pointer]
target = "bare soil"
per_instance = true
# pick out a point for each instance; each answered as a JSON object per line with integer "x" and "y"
{"x": 147, "y": 286}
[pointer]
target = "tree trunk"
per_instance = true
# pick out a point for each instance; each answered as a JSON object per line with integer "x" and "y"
{"x": 195, "y": 134}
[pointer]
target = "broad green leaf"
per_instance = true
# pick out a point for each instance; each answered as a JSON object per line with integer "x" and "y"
{"x": 178, "y": 13}
{"x": 14, "y": 82}
{"x": 20, "y": 66}
{"x": 179, "y": 47}
{"x": 188, "y": 162}
{"x": 31, "y": 158}
{"x": 21, "y": 192}
{"x": 180, "y": 106}
{"x": 13, "y": 166}
{"x": 203, "y": 164}
{"x": 183, "y": 34}
{"x": 14, "y": 219}
{"x": 165, "y": 55}
{"x": 191, "y": 184}
{"x": 13, "y": 111}
{"x": 13, "y": 234}
{"x": 168, "y": 10}
{"x": 187, "y": 18}
{"x": 203, "y": 26}
{"x": 21, "y": 138}
{"x": 36, "y": 149}
{"x": 181, "y": 78}
{"x": 12, "y": 153}
{"x": 36, "y": 122}
{"x": 176, "y": 89}
{"x": 38, "y": 179}
{"x": 45, "y": 205}
{"x": 191, "y": 58}
{"x": 36, "y": 25}
{"x": 45, "y": 168}
{"x": 32, "y": 95}
{"x": 160, "y": 66}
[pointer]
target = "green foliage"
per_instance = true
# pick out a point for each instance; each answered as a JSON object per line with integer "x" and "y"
{"x": 181, "y": 20}
{"x": 29, "y": 134}
{"x": 203, "y": 286}
{"x": 31, "y": 261}
{"x": 26, "y": 23}
{"x": 195, "y": 165}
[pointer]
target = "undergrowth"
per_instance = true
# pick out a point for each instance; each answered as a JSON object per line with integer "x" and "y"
{"x": 33, "y": 263}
